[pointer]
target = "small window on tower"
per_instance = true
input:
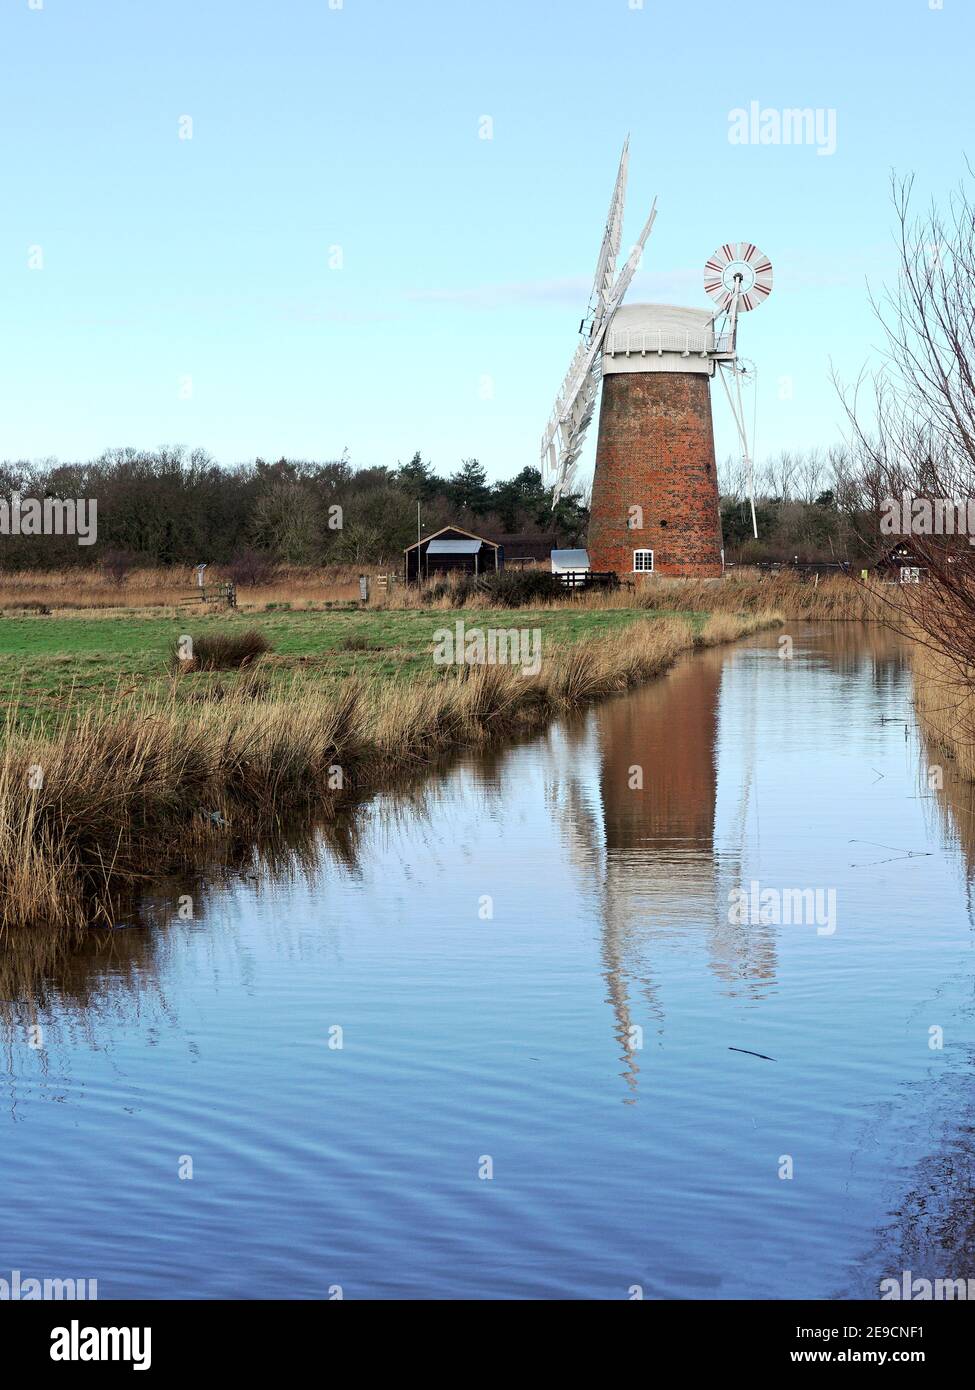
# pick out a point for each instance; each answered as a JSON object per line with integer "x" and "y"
{"x": 643, "y": 562}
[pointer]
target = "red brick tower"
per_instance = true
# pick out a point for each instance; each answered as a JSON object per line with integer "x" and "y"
{"x": 655, "y": 495}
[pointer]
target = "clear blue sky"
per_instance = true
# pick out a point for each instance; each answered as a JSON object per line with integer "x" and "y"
{"x": 463, "y": 258}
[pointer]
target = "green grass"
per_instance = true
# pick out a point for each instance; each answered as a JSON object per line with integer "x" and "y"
{"x": 51, "y": 666}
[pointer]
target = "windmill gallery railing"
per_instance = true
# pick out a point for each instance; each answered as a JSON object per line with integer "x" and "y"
{"x": 626, "y": 341}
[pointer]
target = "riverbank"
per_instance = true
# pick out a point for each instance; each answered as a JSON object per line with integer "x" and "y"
{"x": 98, "y": 797}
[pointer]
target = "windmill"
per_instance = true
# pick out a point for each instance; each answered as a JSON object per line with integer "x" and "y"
{"x": 655, "y": 498}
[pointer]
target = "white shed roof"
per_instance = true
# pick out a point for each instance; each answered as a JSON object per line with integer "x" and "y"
{"x": 448, "y": 547}
{"x": 569, "y": 560}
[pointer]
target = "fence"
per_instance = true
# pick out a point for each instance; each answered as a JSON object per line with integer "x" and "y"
{"x": 804, "y": 568}
{"x": 588, "y": 579}
{"x": 225, "y": 593}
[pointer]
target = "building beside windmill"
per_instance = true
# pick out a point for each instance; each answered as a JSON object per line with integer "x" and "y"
{"x": 451, "y": 550}
{"x": 655, "y": 506}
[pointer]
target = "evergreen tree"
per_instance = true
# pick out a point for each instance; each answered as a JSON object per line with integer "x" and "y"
{"x": 468, "y": 487}
{"x": 417, "y": 477}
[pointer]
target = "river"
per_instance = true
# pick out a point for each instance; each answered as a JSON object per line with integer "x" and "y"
{"x": 496, "y": 1037}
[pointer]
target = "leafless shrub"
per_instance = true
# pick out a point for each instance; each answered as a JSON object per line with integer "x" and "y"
{"x": 118, "y": 564}
{"x": 914, "y": 423}
{"x": 250, "y": 569}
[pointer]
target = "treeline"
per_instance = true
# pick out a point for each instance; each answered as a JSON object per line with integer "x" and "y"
{"x": 174, "y": 507}
{"x": 177, "y": 507}
{"x": 810, "y": 505}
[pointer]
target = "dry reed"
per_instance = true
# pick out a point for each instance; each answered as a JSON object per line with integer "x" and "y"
{"x": 944, "y": 696}
{"x": 67, "y": 591}
{"x": 834, "y": 597}
{"x": 219, "y": 651}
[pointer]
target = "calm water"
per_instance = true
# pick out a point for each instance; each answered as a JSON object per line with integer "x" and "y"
{"x": 531, "y": 962}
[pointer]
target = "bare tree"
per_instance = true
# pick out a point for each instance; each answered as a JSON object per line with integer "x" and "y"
{"x": 914, "y": 437}
{"x": 779, "y": 475}
{"x": 810, "y": 476}
{"x": 732, "y": 479}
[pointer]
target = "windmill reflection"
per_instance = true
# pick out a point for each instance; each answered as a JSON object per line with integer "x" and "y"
{"x": 658, "y": 788}
{"x": 647, "y": 832}
{"x": 675, "y": 841}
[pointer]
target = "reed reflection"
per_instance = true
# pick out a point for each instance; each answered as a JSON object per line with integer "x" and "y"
{"x": 79, "y": 983}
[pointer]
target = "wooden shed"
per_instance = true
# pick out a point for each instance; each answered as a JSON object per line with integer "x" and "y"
{"x": 451, "y": 550}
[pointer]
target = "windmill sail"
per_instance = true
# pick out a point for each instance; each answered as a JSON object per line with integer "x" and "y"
{"x": 606, "y": 264}
{"x": 564, "y": 435}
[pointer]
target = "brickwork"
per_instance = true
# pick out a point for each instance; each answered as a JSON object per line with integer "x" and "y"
{"x": 656, "y": 451}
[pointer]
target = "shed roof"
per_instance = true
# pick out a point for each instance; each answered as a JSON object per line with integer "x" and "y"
{"x": 449, "y": 547}
{"x": 570, "y": 559}
{"x": 455, "y": 531}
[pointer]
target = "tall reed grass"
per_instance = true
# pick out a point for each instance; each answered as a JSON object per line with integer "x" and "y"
{"x": 298, "y": 587}
{"x": 833, "y": 598}
{"x": 93, "y": 811}
{"x": 80, "y": 588}
{"x": 944, "y": 696}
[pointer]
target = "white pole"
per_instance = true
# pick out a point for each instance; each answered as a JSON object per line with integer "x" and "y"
{"x": 737, "y": 411}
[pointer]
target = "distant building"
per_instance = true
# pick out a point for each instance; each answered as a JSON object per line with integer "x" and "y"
{"x": 900, "y": 564}
{"x": 527, "y": 552}
{"x": 450, "y": 551}
{"x": 569, "y": 561}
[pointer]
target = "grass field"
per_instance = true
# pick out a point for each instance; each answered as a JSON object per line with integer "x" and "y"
{"x": 52, "y": 665}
